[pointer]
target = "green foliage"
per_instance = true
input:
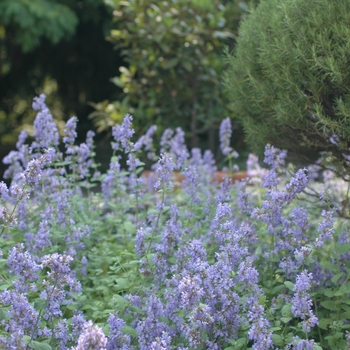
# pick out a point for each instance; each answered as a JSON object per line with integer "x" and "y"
{"x": 288, "y": 78}
{"x": 37, "y": 19}
{"x": 71, "y": 71}
{"x": 173, "y": 50}
{"x": 11, "y": 124}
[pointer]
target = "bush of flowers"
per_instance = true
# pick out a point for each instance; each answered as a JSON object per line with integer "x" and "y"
{"x": 119, "y": 261}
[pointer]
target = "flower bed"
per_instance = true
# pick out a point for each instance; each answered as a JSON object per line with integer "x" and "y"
{"x": 261, "y": 263}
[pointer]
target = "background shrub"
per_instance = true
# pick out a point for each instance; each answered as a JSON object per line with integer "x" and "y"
{"x": 173, "y": 62}
{"x": 288, "y": 78}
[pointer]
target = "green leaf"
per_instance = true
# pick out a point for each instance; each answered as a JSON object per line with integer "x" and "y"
{"x": 341, "y": 292}
{"x": 40, "y": 304}
{"x": 165, "y": 209}
{"x": 72, "y": 306}
{"x": 86, "y": 307}
{"x": 118, "y": 302}
{"x": 343, "y": 248}
{"x": 262, "y": 300}
{"x": 121, "y": 284}
{"x": 289, "y": 285}
{"x": 241, "y": 341}
{"x": 277, "y": 289}
{"x": 328, "y": 304}
{"x": 164, "y": 319}
{"x": 285, "y": 319}
{"x": 116, "y": 33}
{"x": 258, "y": 250}
{"x": 129, "y": 227}
{"x": 3, "y": 313}
{"x": 328, "y": 293}
{"x": 130, "y": 331}
{"x": 331, "y": 267}
{"x": 337, "y": 277}
{"x": 286, "y": 310}
{"x": 136, "y": 309}
{"x": 188, "y": 66}
{"x": 324, "y": 323}
{"x": 171, "y": 63}
{"x": 165, "y": 47}
{"x": 277, "y": 339}
{"x": 39, "y": 346}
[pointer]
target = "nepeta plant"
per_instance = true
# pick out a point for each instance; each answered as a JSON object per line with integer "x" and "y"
{"x": 153, "y": 263}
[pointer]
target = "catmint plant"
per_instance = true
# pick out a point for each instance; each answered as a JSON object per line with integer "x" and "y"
{"x": 153, "y": 264}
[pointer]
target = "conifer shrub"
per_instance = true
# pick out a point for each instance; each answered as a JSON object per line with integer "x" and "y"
{"x": 288, "y": 79}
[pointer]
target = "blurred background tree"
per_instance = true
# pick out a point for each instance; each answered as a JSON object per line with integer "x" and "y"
{"x": 162, "y": 62}
{"x": 57, "y": 47}
{"x": 173, "y": 51}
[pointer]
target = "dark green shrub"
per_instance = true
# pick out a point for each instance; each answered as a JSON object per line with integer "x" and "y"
{"x": 289, "y": 78}
{"x": 173, "y": 55}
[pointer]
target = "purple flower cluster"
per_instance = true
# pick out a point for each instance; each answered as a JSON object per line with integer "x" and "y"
{"x": 33, "y": 172}
{"x": 117, "y": 340}
{"x": 91, "y": 338}
{"x": 122, "y": 135}
{"x": 151, "y": 327}
{"x": 45, "y": 130}
{"x": 23, "y": 266}
{"x": 70, "y": 132}
{"x": 79, "y": 157}
{"x": 175, "y": 146}
{"x": 164, "y": 170}
{"x": 302, "y": 303}
{"x": 210, "y": 265}
{"x": 325, "y": 228}
{"x": 274, "y": 158}
{"x": 225, "y": 136}
{"x": 22, "y": 318}
{"x": 17, "y": 160}
{"x": 146, "y": 141}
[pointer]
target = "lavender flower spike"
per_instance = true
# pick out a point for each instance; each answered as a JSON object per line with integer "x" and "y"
{"x": 161, "y": 343}
{"x": 117, "y": 340}
{"x": 122, "y": 134}
{"x": 45, "y": 130}
{"x": 302, "y": 303}
{"x": 325, "y": 228}
{"x": 164, "y": 170}
{"x": 70, "y": 132}
{"x": 274, "y": 156}
{"x": 32, "y": 174}
{"x": 39, "y": 102}
{"x": 91, "y": 338}
{"x": 225, "y": 136}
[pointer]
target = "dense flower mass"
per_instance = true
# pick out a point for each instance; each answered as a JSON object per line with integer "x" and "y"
{"x": 125, "y": 261}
